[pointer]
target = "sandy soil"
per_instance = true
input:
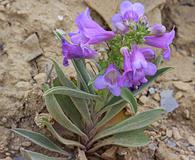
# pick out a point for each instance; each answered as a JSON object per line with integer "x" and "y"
{"x": 26, "y": 43}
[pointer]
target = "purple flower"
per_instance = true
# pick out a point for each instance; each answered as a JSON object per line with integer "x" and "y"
{"x": 89, "y": 32}
{"x": 162, "y": 42}
{"x": 157, "y": 29}
{"x": 118, "y": 25}
{"x": 136, "y": 66}
{"x": 131, "y": 12}
{"x": 110, "y": 79}
{"x": 70, "y": 51}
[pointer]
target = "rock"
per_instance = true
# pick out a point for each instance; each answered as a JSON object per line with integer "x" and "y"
{"x": 163, "y": 153}
{"x": 26, "y": 144}
{"x": 23, "y": 85}
{"x": 152, "y": 90}
{"x": 112, "y": 8}
{"x": 179, "y": 15}
{"x": 40, "y": 78}
{"x": 182, "y": 86}
{"x": 169, "y": 133}
{"x": 110, "y": 153}
{"x": 156, "y": 97}
{"x": 186, "y": 114}
{"x": 178, "y": 95}
{"x": 143, "y": 99}
{"x": 32, "y": 47}
{"x": 171, "y": 144}
{"x": 167, "y": 101}
{"x": 184, "y": 157}
{"x": 176, "y": 133}
{"x": 4, "y": 138}
{"x": 7, "y": 158}
{"x": 191, "y": 140}
{"x": 183, "y": 68}
{"x": 154, "y": 16}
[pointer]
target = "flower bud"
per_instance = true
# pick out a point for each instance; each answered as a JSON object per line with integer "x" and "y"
{"x": 157, "y": 29}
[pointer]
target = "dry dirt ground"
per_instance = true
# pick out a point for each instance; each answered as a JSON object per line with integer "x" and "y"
{"x": 27, "y": 41}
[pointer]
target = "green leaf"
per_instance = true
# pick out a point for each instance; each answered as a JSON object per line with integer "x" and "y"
{"x": 71, "y": 92}
{"x": 113, "y": 111}
{"x": 128, "y": 96}
{"x": 69, "y": 109}
{"x": 136, "y": 122}
{"x": 135, "y": 138}
{"x": 83, "y": 75}
{"x": 59, "y": 138}
{"x": 75, "y": 109}
{"x": 29, "y": 155}
{"x": 83, "y": 108}
{"x": 62, "y": 77}
{"x": 57, "y": 113}
{"x": 151, "y": 80}
{"x": 39, "y": 139}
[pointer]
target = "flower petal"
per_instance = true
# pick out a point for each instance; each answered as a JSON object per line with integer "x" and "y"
{"x": 100, "y": 83}
{"x": 148, "y": 53}
{"x": 115, "y": 90}
{"x": 138, "y": 8}
{"x": 151, "y": 69}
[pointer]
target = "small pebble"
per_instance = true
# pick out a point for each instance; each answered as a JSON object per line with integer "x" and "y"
{"x": 176, "y": 133}
{"x": 156, "y": 97}
{"x": 178, "y": 95}
{"x": 191, "y": 140}
{"x": 169, "y": 133}
{"x": 186, "y": 114}
{"x": 143, "y": 99}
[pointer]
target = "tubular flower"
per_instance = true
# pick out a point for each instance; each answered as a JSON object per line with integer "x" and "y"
{"x": 118, "y": 25}
{"x": 157, "y": 29}
{"x": 110, "y": 79}
{"x": 162, "y": 42}
{"x": 136, "y": 66}
{"x": 70, "y": 51}
{"x": 131, "y": 11}
{"x": 89, "y": 32}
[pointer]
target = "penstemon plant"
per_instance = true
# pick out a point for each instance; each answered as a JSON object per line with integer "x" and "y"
{"x": 91, "y": 105}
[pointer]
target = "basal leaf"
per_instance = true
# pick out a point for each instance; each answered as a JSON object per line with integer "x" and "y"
{"x": 39, "y": 139}
{"x": 29, "y": 155}
{"x": 128, "y": 96}
{"x": 62, "y": 77}
{"x": 83, "y": 108}
{"x": 57, "y": 113}
{"x": 135, "y": 138}
{"x": 75, "y": 108}
{"x": 83, "y": 75}
{"x": 71, "y": 92}
{"x": 59, "y": 138}
{"x": 136, "y": 122}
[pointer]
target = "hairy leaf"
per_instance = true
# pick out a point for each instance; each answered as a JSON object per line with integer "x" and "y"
{"x": 136, "y": 122}
{"x": 29, "y": 155}
{"x": 59, "y": 138}
{"x": 70, "y": 92}
{"x": 128, "y": 96}
{"x": 57, "y": 113}
{"x": 62, "y": 77}
{"x": 135, "y": 138}
{"x": 83, "y": 75}
{"x": 39, "y": 139}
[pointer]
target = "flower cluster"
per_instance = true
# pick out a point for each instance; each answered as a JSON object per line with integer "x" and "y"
{"x": 131, "y": 30}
